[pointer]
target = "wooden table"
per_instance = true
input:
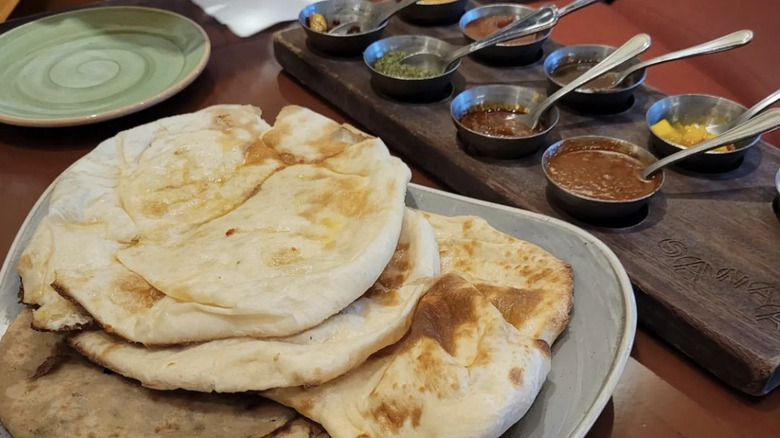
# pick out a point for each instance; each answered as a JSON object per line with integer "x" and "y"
{"x": 661, "y": 393}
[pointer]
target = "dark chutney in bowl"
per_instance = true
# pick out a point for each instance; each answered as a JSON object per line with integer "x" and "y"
{"x": 498, "y": 120}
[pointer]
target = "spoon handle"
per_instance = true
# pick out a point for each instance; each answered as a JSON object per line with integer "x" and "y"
{"x": 757, "y": 108}
{"x": 630, "y": 49}
{"x": 390, "y": 11}
{"x": 726, "y": 42}
{"x": 758, "y": 125}
{"x": 573, "y": 6}
{"x": 537, "y": 21}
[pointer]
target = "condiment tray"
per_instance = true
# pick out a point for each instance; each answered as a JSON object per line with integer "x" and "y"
{"x": 703, "y": 256}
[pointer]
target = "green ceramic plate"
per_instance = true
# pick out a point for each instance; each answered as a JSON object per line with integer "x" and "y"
{"x": 96, "y": 64}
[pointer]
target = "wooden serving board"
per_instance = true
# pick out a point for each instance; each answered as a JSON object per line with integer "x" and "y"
{"x": 705, "y": 262}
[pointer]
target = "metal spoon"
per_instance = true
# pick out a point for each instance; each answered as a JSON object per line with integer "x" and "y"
{"x": 573, "y": 6}
{"x": 537, "y": 21}
{"x": 372, "y": 22}
{"x": 630, "y": 49}
{"x": 727, "y": 42}
{"x": 747, "y": 115}
{"x": 427, "y": 61}
{"x": 762, "y": 123}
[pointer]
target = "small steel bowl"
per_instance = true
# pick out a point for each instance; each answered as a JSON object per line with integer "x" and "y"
{"x": 777, "y": 182}
{"x": 445, "y": 12}
{"x": 416, "y": 89}
{"x": 343, "y": 11}
{"x": 600, "y": 101}
{"x": 593, "y": 208}
{"x": 511, "y": 95}
{"x": 776, "y": 204}
{"x": 705, "y": 110}
{"x": 505, "y": 53}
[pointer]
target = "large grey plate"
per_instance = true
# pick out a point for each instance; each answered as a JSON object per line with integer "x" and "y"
{"x": 588, "y": 358}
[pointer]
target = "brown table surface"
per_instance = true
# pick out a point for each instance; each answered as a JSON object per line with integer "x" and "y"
{"x": 661, "y": 393}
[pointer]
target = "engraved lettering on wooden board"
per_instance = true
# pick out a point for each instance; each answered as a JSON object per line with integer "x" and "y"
{"x": 764, "y": 295}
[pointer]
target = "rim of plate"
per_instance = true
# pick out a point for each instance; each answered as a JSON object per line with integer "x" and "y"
{"x": 57, "y": 122}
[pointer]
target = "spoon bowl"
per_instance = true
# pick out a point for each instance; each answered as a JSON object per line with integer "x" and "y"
{"x": 379, "y": 13}
{"x": 747, "y": 115}
{"x": 765, "y": 122}
{"x": 512, "y": 96}
{"x": 588, "y": 207}
{"x": 337, "y": 12}
{"x": 708, "y": 111}
{"x": 426, "y": 61}
{"x": 417, "y": 89}
{"x": 777, "y": 183}
{"x": 439, "y": 60}
{"x": 590, "y": 100}
{"x": 629, "y": 50}
{"x": 510, "y": 53}
{"x": 520, "y": 51}
{"x": 538, "y": 20}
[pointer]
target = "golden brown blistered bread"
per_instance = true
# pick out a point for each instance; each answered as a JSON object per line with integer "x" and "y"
{"x": 300, "y": 427}
{"x": 531, "y": 287}
{"x": 461, "y": 371}
{"x": 213, "y": 225}
{"x": 377, "y": 319}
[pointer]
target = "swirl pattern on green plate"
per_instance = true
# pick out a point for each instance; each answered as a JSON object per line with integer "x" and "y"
{"x": 95, "y": 64}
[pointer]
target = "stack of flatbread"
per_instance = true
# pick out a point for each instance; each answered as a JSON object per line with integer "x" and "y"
{"x": 212, "y": 257}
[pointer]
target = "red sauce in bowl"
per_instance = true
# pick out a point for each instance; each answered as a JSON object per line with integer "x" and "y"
{"x": 498, "y": 120}
{"x": 486, "y": 26}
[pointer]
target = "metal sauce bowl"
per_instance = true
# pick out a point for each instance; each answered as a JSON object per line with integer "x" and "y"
{"x": 592, "y": 208}
{"x": 705, "y": 110}
{"x": 612, "y": 100}
{"x": 777, "y": 182}
{"x": 505, "y": 53}
{"x": 434, "y": 13}
{"x": 409, "y": 88}
{"x": 511, "y": 95}
{"x": 344, "y": 11}
{"x": 776, "y": 203}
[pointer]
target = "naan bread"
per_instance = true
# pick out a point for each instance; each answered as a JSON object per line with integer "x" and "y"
{"x": 88, "y": 221}
{"x": 311, "y": 241}
{"x": 531, "y": 287}
{"x": 300, "y": 427}
{"x": 461, "y": 371}
{"x": 377, "y": 319}
{"x": 47, "y": 390}
{"x": 215, "y": 226}
{"x": 52, "y": 312}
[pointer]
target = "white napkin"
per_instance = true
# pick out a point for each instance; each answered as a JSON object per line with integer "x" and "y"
{"x": 247, "y": 17}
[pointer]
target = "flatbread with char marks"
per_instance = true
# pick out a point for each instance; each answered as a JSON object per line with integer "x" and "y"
{"x": 173, "y": 162}
{"x": 377, "y": 319}
{"x": 461, "y": 371}
{"x": 530, "y": 286}
{"x": 238, "y": 230}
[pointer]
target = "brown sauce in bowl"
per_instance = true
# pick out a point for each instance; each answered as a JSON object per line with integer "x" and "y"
{"x": 565, "y": 73}
{"x": 486, "y": 26}
{"x": 497, "y": 120}
{"x": 601, "y": 174}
